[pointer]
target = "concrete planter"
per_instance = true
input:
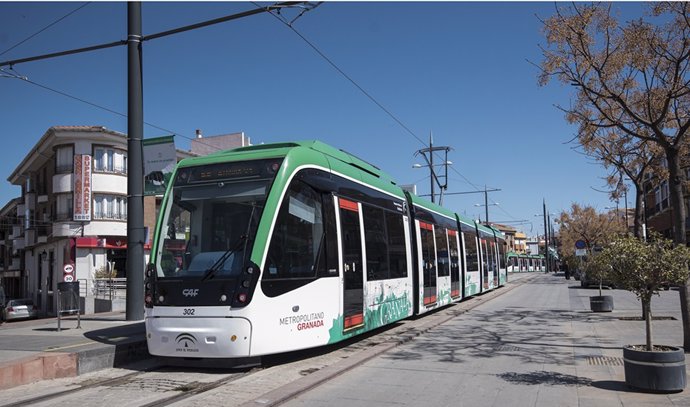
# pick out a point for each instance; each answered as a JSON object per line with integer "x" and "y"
{"x": 655, "y": 371}
{"x": 603, "y": 303}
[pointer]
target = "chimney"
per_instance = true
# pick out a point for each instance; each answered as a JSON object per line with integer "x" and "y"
{"x": 198, "y": 133}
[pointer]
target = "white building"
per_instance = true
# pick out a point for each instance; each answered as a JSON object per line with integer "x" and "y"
{"x": 73, "y": 210}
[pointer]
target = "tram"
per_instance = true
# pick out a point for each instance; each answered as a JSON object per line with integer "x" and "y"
{"x": 519, "y": 262}
{"x": 279, "y": 247}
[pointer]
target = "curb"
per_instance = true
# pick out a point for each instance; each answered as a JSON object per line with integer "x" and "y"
{"x": 54, "y": 365}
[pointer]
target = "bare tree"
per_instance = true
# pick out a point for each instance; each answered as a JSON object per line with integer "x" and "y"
{"x": 632, "y": 77}
{"x": 639, "y": 160}
{"x": 584, "y": 223}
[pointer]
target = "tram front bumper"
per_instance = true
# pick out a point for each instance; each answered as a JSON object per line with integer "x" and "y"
{"x": 198, "y": 337}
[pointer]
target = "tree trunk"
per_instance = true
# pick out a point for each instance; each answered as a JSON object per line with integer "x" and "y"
{"x": 637, "y": 224}
{"x": 675, "y": 184}
{"x": 646, "y": 304}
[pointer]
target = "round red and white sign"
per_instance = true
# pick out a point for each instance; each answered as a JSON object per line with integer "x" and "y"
{"x": 68, "y": 269}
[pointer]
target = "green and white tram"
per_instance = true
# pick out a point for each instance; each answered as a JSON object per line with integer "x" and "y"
{"x": 273, "y": 248}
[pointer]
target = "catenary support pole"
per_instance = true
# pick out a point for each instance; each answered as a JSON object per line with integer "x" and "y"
{"x": 546, "y": 238}
{"x": 135, "y": 174}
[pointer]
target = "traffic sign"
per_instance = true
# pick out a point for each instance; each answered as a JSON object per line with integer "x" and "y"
{"x": 580, "y": 244}
{"x": 580, "y": 252}
{"x": 68, "y": 278}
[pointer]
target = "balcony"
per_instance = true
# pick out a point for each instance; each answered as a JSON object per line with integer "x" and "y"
{"x": 42, "y": 232}
{"x": 63, "y": 216}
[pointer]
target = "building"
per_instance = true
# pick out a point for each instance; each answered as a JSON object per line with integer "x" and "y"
{"x": 72, "y": 211}
{"x": 208, "y": 145}
{"x": 12, "y": 276}
{"x": 510, "y": 233}
{"x": 520, "y": 243}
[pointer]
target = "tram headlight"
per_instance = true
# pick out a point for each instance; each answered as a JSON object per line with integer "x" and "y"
{"x": 150, "y": 269}
{"x": 148, "y": 300}
{"x": 250, "y": 270}
{"x": 246, "y": 283}
{"x": 242, "y": 298}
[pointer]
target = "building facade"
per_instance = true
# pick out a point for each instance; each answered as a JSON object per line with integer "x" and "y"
{"x": 73, "y": 212}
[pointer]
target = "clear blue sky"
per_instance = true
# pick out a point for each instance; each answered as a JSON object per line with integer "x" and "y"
{"x": 459, "y": 70}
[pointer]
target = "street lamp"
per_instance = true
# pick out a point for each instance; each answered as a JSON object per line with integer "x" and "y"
{"x": 486, "y": 209}
{"x": 435, "y": 178}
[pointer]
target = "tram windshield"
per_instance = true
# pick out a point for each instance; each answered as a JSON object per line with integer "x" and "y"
{"x": 211, "y": 219}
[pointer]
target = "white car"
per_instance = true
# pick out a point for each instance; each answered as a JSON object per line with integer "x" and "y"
{"x": 19, "y": 309}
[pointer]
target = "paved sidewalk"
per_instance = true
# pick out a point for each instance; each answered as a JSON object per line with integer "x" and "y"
{"x": 34, "y": 350}
{"x": 538, "y": 345}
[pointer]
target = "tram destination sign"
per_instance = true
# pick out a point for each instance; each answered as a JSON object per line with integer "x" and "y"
{"x": 227, "y": 171}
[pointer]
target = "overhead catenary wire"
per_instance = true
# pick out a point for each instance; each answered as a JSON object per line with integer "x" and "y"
{"x": 44, "y": 28}
{"x": 268, "y": 9}
{"x": 366, "y": 93}
{"x": 109, "y": 110}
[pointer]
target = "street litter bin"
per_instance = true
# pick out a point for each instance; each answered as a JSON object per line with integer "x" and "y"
{"x": 68, "y": 301}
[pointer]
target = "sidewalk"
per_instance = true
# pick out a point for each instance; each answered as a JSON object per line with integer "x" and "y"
{"x": 538, "y": 345}
{"x": 34, "y": 350}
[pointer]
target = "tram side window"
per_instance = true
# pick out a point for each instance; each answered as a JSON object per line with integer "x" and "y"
{"x": 471, "y": 254}
{"x": 442, "y": 251}
{"x": 385, "y": 244}
{"x": 376, "y": 243}
{"x": 501, "y": 255}
{"x": 298, "y": 236}
{"x": 397, "y": 253}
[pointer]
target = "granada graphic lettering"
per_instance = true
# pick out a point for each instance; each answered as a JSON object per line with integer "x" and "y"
{"x": 304, "y": 321}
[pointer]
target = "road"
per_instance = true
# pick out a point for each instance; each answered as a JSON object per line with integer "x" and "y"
{"x": 533, "y": 343}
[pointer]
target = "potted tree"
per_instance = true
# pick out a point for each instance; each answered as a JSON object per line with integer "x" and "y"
{"x": 644, "y": 268}
{"x": 597, "y": 267}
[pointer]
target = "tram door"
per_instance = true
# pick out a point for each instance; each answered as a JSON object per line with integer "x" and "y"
{"x": 353, "y": 273}
{"x": 428, "y": 257}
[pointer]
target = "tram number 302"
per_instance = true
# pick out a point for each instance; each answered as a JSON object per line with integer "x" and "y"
{"x": 188, "y": 311}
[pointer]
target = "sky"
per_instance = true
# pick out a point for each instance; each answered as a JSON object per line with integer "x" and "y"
{"x": 462, "y": 71}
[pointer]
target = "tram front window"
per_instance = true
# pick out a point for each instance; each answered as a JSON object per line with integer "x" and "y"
{"x": 209, "y": 228}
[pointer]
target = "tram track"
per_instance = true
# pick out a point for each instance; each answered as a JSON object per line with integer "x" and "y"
{"x": 89, "y": 385}
{"x": 298, "y": 371}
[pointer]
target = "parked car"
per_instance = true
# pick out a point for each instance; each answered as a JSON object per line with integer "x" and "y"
{"x": 19, "y": 309}
{"x": 593, "y": 282}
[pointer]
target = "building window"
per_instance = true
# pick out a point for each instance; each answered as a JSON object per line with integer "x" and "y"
{"x": 63, "y": 207}
{"x": 64, "y": 159}
{"x": 109, "y": 207}
{"x": 109, "y": 160}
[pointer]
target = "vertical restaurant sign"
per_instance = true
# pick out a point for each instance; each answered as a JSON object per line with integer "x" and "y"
{"x": 160, "y": 159}
{"x": 82, "y": 187}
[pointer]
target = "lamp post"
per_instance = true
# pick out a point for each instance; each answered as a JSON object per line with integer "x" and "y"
{"x": 486, "y": 208}
{"x": 547, "y": 231}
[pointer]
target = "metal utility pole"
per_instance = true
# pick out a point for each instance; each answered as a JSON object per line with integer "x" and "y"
{"x": 546, "y": 237}
{"x": 135, "y": 177}
{"x": 432, "y": 172}
{"x": 486, "y": 205}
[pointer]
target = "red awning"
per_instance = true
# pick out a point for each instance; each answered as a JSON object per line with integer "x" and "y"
{"x": 107, "y": 242}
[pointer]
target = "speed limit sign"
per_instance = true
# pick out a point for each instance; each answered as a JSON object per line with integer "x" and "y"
{"x": 69, "y": 278}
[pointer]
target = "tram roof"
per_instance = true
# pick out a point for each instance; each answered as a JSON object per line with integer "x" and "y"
{"x": 282, "y": 149}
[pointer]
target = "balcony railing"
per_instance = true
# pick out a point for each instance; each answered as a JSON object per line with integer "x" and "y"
{"x": 111, "y": 170}
{"x": 63, "y": 216}
{"x": 64, "y": 168}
